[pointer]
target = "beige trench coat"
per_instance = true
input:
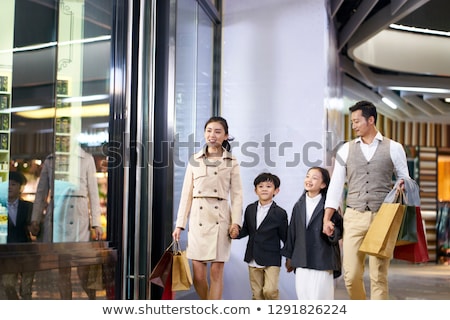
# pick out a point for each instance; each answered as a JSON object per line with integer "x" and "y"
{"x": 211, "y": 200}
{"x": 74, "y": 208}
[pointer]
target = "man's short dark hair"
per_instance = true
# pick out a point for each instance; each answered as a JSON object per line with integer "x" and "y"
{"x": 368, "y": 109}
{"x": 267, "y": 177}
{"x": 18, "y": 177}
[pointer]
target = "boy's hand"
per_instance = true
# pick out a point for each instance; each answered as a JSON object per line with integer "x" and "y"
{"x": 34, "y": 228}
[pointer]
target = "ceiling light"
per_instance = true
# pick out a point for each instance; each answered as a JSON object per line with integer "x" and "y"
{"x": 419, "y": 30}
{"x": 98, "y": 110}
{"x": 420, "y": 89}
{"x": 447, "y": 100}
{"x": 389, "y": 103}
{"x": 22, "y": 109}
{"x": 55, "y": 43}
{"x": 95, "y": 97}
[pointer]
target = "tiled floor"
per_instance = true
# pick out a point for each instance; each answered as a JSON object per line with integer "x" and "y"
{"x": 406, "y": 282}
{"x": 429, "y": 281}
{"x": 411, "y": 282}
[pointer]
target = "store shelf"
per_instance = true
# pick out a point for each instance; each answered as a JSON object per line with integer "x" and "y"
{"x": 427, "y": 180}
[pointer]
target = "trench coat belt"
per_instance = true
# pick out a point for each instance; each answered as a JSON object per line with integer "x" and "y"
{"x": 73, "y": 196}
{"x": 217, "y": 198}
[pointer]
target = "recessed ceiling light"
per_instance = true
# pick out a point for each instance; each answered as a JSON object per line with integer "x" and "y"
{"x": 389, "y": 103}
{"x": 419, "y": 30}
{"x": 421, "y": 89}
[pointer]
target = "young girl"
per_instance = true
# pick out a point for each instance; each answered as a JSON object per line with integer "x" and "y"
{"x": 313, "y": 256}
{"x": 211, "y": 200}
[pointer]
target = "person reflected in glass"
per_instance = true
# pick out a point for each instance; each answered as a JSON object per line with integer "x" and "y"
{"x": 70, "y": 213}
{"x": 19, "y": 219}
{"x": 211, "y": 199}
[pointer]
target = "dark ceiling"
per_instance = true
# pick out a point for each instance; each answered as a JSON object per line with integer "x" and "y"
{"x": 359, "y": 20}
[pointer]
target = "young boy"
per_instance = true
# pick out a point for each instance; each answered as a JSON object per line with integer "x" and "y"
{"x": 19, "y": 216}
{"x": 266, "y": 225}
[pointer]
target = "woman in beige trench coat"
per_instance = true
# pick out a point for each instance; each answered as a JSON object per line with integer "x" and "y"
{"x": 212, "y": 201}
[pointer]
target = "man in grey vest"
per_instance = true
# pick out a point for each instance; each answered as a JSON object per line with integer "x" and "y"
{"x": 367, "y": 164}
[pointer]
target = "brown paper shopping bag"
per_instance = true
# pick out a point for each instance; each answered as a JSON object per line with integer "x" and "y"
{"x": 181, "y": 271}
{"x": 382, "y": 235}
{"x": 163, "y": 268}
{"x": 95, "y": 277}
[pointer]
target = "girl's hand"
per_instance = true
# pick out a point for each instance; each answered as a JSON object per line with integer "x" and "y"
{"x": 289, "y": 268}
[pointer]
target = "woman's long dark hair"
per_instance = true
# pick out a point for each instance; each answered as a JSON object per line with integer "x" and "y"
{"x": 224, "y": 124}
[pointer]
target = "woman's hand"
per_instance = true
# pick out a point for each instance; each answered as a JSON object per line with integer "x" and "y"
{"x": 176, "y": 234}
{"x": 234, "y": 231}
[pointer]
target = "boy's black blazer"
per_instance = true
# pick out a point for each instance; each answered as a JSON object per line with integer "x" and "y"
{"x": 264, "y": 243}
{"x": 19, "y": 232}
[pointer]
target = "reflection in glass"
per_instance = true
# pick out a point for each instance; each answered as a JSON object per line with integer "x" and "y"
{"x": 54, "y": 112}
{"x": 60, "y": 115}
{"x": 194, "y": 84}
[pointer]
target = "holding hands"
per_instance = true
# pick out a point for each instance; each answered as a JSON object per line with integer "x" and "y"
{"x": 328, "y": 228}
{"x": 234, "y": 231}
{"x": 288, "y": 266}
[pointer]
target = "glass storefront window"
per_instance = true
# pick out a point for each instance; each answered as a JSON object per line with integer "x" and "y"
{"x": 194, "y": 84}
{"x": 54, "y": 101}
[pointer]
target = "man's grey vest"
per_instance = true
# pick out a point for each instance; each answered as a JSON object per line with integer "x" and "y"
{"x": 368, "y": 181}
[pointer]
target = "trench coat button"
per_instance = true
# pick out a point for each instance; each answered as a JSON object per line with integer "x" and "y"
{"x": 215, "y": 172}
{"x": 216, "y": 207}
{"x": 200, "y": 224}
{"x": 201, "y": 207}
{"x": 215, "y": 190}
{"x": 199, "y": 192}
{"x": 71, "y": 222}
{"x": 217, "y": 222}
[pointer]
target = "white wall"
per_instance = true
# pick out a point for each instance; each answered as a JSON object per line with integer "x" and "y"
{"x": 275, "y": 82}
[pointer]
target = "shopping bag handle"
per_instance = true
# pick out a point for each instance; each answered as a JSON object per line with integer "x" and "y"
{"x": 171, "y": 246}
{"x": 176, "y": 248}
{"x": 400, "y": 197}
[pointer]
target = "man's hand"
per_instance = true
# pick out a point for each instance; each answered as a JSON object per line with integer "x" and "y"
{"x": 401, "y": 185}
{"x": 328, "y": 228}
{"x": 328, "y": 225}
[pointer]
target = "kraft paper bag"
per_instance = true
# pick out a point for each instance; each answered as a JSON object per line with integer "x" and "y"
{"x": 95, "y": 277}
{"x": 181, "y": 272}
{"x": 383, "y": 232}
